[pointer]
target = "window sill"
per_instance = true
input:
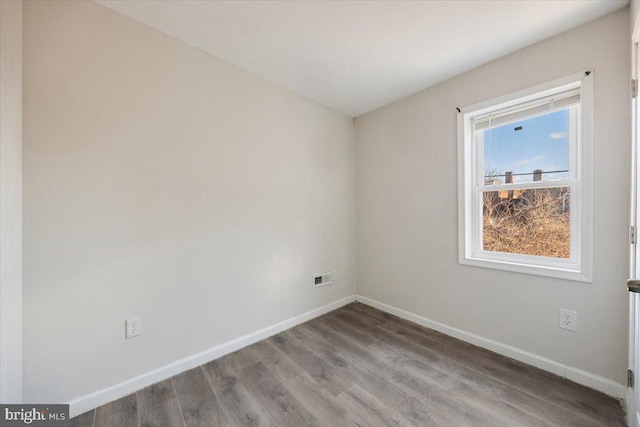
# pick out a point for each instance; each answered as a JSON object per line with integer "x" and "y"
{"x": 536, "y": 270}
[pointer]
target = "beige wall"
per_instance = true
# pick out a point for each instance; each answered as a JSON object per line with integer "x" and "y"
{"x": 407, "y": 208}
{"x": 160, "y": 181}
{"x": 11, "y": 201}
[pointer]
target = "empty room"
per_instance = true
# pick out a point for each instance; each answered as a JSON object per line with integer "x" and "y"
{"x": 328, "y": 213}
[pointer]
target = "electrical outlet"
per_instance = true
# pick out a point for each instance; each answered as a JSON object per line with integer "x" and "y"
{"x": 568, "y": 319}
{"x": 133, "y": 327}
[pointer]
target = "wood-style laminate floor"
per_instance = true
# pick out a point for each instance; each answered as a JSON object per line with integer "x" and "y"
{"x": 358, "y": 366}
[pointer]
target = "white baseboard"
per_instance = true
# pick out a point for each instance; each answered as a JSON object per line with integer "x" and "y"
{"x": 124, "y": 388}
{"x": 579, "y": 376}
{"x": 630, "y": 409}
{"x": 597, "y": 382}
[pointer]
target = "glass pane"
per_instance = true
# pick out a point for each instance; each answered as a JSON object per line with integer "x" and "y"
{"x": 533, "y": 149}
{"x": 528, "y": 222}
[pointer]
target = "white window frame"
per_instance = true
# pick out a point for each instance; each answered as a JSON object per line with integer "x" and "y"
{"x": 580, "y": 181}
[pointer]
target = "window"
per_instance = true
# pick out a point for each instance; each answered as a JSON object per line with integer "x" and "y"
{"x": 525, "y": 168}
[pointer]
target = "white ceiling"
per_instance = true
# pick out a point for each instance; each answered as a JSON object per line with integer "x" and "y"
{"x": 356, "y": 56}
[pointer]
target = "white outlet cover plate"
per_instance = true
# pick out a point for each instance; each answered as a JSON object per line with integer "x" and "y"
{"x": 568, "y": 319}
{"x": 133, "y": 327}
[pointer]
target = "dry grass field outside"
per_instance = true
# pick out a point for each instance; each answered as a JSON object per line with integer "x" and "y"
{"x": 537, "y": 223}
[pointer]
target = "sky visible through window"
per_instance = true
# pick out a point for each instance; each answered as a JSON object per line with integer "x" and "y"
{"x": 542, "y": 143}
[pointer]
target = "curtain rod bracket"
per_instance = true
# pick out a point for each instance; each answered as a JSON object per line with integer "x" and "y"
{"x": 458, "y": 110}
{"x": 586, "y": 73}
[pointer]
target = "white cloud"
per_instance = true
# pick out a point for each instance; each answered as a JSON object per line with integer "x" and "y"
{"x": 559, "y": 135}
{"x": 527, "y": 161}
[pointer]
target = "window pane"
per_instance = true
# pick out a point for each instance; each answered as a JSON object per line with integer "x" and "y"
{"x": 528, "y": 222}
{"x": 533, "y": 149}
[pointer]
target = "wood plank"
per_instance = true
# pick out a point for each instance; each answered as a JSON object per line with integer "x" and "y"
{"x": 360, "y": 366}
{"x": 158, "y": 406}
{"x": 370, "y": 409}
{"x": 321, "y": 403}
{"x": 343, "y": 352}
{"x": 199, "y": 405}
{"x": 454, "y": 364}
{"x": 297, "y": 333}
{"x": 495, "y": 396}
{"x": 528, "y": 379}
{"x": 353, "y": 371}
{"x": 284, "y": 408}
{"x": 284, "y": 368}
{"x": 346, "y": 345}
{"x": 433, "y": 393}
{"x": 122, "y": 412}
{"x": 604, "y": 409}
{"x": 319, "y": 370}
{"x": 325, "y": 350}
{"x": 327, "y": 408}
{"x": 239, "y": 404}
{"x": 374, "y": 315}
{"x": 383, "y": 387}
{"x": 255, "y": 353}
{"x": 84, "y": 420}
{"x": 377, "y": 315}
{"x": 359, "y": 334}
{"x": 449, "y": 374}
{"x": 568, "y": 396}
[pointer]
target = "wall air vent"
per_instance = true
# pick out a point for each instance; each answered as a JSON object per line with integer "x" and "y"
{"x": 323, "y": 280}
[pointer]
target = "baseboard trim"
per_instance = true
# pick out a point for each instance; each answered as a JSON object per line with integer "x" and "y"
{"x": 629, "y": 408}
{"x": 124, "y": 388}
{"x": 579, "y": 376}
